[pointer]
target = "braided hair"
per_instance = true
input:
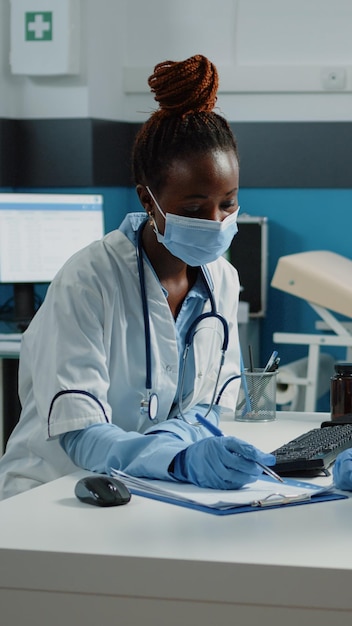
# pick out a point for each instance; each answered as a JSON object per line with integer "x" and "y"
{"x": 184, "y": 124}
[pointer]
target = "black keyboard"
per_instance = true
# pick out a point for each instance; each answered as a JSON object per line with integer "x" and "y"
{"x": 314, "y": 451}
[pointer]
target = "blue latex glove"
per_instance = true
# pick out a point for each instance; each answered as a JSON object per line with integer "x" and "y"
{"x": 219, "y": 463}
{"x": 342, "y": 470}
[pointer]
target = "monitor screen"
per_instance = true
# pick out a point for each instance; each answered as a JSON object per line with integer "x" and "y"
{"x": 40, "y": 231}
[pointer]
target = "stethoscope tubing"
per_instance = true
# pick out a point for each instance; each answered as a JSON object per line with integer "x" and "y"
{"x": 145, "y": 308}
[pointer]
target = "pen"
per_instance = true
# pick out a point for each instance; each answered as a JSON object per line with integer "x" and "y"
{"x": 247, "y": 401}
{"x": 214, "y": 430}
{"x": 271, "y": 362}
{"x": 275, "y": 365}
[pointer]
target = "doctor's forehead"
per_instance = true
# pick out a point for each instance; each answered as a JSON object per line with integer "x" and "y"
{"x": 201, "y": 173}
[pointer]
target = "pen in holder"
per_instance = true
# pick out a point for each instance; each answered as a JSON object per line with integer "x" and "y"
{"x": 257, "y": 396}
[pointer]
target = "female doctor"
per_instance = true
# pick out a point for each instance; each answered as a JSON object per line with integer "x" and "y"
{"x": 104, "y": 381}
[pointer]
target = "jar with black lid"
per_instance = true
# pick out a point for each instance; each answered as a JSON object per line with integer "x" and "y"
{"x": 341, "y": 391}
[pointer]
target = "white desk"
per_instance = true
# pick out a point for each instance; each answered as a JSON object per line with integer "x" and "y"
{"x": 63, "y": 562}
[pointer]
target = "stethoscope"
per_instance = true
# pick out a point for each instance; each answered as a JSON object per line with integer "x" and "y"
{"x": 150, "y": 403}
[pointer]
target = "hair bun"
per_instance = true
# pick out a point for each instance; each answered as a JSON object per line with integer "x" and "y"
{"x": 183, "y": 87}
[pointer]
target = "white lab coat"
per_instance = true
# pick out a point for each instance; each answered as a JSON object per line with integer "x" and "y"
{"x": 83, "y": 358}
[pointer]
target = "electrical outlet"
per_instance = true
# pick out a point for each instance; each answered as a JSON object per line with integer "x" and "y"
{"x": 333, "y": 78}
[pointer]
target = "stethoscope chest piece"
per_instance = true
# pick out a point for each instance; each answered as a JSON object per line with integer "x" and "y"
{"x": 150, "y": 406}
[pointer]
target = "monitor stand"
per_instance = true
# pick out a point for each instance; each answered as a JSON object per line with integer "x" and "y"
{"x": 24, "y": 309}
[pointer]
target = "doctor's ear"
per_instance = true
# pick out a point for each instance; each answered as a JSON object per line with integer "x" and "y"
{"x": 145, "y": 198}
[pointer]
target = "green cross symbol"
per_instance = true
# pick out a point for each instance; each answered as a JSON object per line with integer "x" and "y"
{"x": 39, "y": 26}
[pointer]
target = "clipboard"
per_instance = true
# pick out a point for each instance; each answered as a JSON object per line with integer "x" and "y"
{"x": 264, "y": 494}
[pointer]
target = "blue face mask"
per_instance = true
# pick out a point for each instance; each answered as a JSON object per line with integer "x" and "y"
{"x": 196, "y": 241}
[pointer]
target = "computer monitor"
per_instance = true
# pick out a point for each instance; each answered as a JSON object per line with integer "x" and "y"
{"x": 38, "y": 233}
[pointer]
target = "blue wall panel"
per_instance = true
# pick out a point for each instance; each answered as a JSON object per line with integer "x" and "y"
{"x": 299, "y": 220}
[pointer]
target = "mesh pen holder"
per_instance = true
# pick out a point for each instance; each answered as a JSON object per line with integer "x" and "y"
{"x": 257, "y": 397}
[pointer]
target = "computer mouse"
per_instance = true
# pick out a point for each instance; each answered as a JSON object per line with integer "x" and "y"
{"x": 102, "y": 490}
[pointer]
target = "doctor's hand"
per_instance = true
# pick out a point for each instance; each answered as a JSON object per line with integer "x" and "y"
{"x": 219, "y": 463}
{"x": 342, "y": 470}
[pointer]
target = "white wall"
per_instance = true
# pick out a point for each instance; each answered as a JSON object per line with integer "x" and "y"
{"x": 271, "y": 56}
{"x": 10, "y": 87}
